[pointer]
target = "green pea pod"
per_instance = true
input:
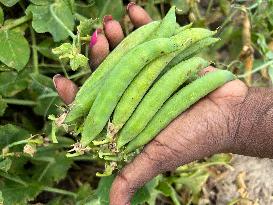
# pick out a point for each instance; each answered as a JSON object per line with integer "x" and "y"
{"x": 125, "y": 71}
{"x": 139, "y": 86}
{"x": 156, "y": 97}
{"x": 191, "y": 51}
{"x": 182, "y": 28}
{"x": 178, "y": 103}
{"x": 166, "y": 28}
{"x": 86, "y": 95}
{"x": 84, "y": 101}
{"x": 136, "y": 90}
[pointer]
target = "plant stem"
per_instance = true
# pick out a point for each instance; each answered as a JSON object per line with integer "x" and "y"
{"x": 80, "y": 17}
{"x": 16, "y": 23}
{"x": 209, "y": 8}
{"x": 19, "y": 102}
{"x": 71, "y": 34}
{"x": 77, "y": 75}
{"x": 12, "y": 178}
{"x": 256, "y": 69}
{"x": 34, "y": 52}
{"x": 18, "y": 143}
{"x": 60, "y": 191}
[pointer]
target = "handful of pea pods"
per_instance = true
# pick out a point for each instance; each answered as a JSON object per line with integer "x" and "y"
{"x": 149, "y": 79}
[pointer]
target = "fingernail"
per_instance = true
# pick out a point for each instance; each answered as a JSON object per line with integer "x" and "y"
{"x": 129, "y": 5}
{"x": 55, "y": 78}
{"x": 93, "y": 39}
{"x": 107, "y": 18}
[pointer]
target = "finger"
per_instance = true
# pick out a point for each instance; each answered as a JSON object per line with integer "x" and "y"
{"x": 99, "y": 48}
{"x": 164, "y": 153}
{"x": 66, "y": 88}
{"x": 138, "y": 15}
{"x": 112, "y": 31}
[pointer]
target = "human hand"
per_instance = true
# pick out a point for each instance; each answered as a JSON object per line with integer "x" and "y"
{"x": 204, "y": 129}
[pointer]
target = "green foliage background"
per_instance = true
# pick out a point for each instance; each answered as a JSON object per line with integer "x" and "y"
{"x": 32, "y": 168}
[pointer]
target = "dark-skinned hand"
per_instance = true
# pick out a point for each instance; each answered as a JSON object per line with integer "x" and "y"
{"x": 233, "y": 118}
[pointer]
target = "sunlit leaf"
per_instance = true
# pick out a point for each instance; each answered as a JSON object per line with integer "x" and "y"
{"x": 14, "y": 49}
{"x": 1, "y": 16}
{"x": 54, "y": 18}
{"x": 12, "y": 82}
{"x": 9, "y": 3}
{"x": 5, "y": 164}
{"x": 3, "y": 106}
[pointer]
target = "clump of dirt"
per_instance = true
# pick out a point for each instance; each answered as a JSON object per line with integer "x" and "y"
{"x": 258, "y": 180}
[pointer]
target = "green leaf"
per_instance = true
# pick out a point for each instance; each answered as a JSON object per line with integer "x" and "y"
{"x": 63, "y": 50}
{"x": 1, "y": 198}
{"x": 182, "y": 5}
{"x": 225, "y": 158}
{"x": 67, "y": 50}
{"x": 78, "y": 61}
{"x": 45, "y": 48}
{"x": 56, "y": 166}
{"x": 47, "y": 98}
{"x": 5, "y": 164}
{"x": 12, "y": 82}
{"x": 167, "y": 190}
{"x": 10, "y": 133}
{"x": 41, "y": 2}
{"x": 270, "y": 73}
{"x": 103, "y": 189}
{"x": 56, "y": 18}
{"x": 152, "y": 10}
{"x": 3, "y": 106}
{"x": 14, "y": 49}
{"x": 86, "y": 27}
{"x": 14, "y": 193}
{"x": 193, "y": 181}
{"x": 107, "y": 7}
{"x": 9, "y": 3}
{"x": 1, "y": 16}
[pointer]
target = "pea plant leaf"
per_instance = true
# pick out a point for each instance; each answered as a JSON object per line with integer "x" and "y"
{"x": 56, "y": 18}
{"x": 106, "y": 7}
{"x": 45, "y": 48}
{"x": 67, "y": 50}
{"x": 15, "y": 193}
{"x": 167, "y": 190}
{"x": 270, "y": 73}
{"x": 3, "y": 106}
{"x": 182, "y": 5}
{"x": 10, "y": 133}
{"x": 14, "y": 49}
{"x": 5, "y": 164}
{"x": 1, "y": 16}
{"x": 47, "y": 98}
{"x": 12, "y": 82}
{"x": 9, "y": 3}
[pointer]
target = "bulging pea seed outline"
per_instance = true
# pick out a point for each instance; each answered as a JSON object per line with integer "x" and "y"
{"x": 166, "y": 27}
{"x": 127, "y": 68}
{"x": 191, "y": 51}
{"x": 136, "y": 90}
{"x": 87, "y": 93}
{"x": 178, "y": 103}
{"x": 157, "y": 95}
{"x": 139, "y": 86}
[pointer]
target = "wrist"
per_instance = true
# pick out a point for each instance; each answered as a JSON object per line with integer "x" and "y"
{"x": 252, "y": 132}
